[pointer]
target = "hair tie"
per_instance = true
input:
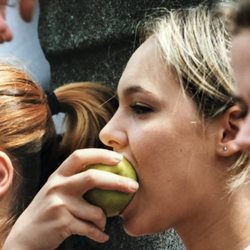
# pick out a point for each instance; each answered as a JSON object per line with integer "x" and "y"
{"x": 53, "y": 103}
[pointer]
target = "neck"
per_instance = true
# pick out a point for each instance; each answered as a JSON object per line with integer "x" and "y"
{"x": 223, "y": 225}
{"x": 4, "y": 230}
{"x": 5, "y": 220}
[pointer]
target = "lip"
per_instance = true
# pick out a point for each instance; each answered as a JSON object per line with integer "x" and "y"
{"x": 132, "y": 162}
{"x": 126, "y": 211}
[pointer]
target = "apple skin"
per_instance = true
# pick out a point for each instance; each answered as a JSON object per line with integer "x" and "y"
{"x": 111, "y": 201}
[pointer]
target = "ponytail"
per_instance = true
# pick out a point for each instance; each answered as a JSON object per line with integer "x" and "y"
{"x": 87, "y": 106}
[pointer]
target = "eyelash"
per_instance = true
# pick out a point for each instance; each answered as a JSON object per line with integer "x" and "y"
{"x": 140, "y": 109}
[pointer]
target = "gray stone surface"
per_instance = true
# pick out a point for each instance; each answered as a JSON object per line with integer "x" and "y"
{"x": 92, "y": 40}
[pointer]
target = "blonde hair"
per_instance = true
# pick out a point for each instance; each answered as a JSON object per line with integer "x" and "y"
{"x": 28, "y": 135}
{"x": 196, "y": 44}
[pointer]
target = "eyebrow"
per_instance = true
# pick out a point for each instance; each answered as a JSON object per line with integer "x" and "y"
{"x": 136, "y": 89}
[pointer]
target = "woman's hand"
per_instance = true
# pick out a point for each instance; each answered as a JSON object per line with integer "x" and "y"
{"x": 59, "y": 210}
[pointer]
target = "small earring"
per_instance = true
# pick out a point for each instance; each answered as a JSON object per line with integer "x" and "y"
{"x": 225, "y": 148}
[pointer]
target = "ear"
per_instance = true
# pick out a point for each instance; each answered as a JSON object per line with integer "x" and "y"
{"x": 229, "y": 127}
{"x": 6, "y": 174}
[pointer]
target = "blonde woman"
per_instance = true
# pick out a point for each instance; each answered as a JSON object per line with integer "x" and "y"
{"x": 177, "y": 123}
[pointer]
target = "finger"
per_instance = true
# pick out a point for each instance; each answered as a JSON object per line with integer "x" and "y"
{"x": 84, "y": 211}
{"x": 5, "y": 32}
{"x": 3, "y": 8}
{"x": 7, "y": 35}
{"x": 89, "y": 230}
{"x": 92, "y": 178}
{"x": 78, "y": 160}
{"x": 65, "y": 224}
{"x": 3, "y": 25}
{"x": 1, "y": 40}
{"x": 27, "y": 9}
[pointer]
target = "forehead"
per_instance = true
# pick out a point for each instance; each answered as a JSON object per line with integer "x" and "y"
{"x": 147, "y": 67}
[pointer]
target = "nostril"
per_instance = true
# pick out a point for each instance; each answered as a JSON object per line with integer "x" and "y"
{"x": 112, "y": 143}
{"x": 113, "y": 135}
{"x": 105, "y": 139}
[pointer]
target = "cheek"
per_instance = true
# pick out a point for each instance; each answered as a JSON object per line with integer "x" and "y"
{"x": 152, "y": 143}
{"x": 163, "y": 142}
{"x": 160, "y": 159}
{"x": 165, "y": 158}
{"x": 162, "y": 179}
{"x": 150, "y": 146}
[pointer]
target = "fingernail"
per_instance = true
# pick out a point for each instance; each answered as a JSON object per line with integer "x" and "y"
{"x": 117, "y": 157}
{"x": 105, "y": 237}
{"x": 133, "y": 185}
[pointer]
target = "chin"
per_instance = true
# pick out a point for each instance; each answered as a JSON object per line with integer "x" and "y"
{"x": 136, "y": 221}
{"x": 132, "y": 231}
{"x": 135, "y": 228}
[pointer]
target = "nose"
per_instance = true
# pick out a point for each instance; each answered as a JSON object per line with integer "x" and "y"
{"x": 113, "y": 134}
{"x": 243, "y": 136}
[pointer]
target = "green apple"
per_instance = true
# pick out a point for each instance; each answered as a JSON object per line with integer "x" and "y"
{"x": 111, "y": 201}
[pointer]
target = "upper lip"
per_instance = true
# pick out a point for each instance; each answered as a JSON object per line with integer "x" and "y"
{"x": 131, "y": 161}
{"x": 128, "y": 158}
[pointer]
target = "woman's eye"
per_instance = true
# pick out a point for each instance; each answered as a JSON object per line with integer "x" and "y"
{"x": 140, "y": 108}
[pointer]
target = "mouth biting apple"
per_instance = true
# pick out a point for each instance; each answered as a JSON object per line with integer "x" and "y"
{"x": 112, "y": 202}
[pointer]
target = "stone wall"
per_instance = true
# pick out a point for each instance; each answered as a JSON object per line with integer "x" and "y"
{"x": 92, "y": 40}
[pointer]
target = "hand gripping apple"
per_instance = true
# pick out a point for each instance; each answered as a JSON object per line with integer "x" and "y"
{"x": 111, "y": 201}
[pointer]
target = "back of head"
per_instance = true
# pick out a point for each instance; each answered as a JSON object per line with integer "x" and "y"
{"x": 196, "y": 44}
{"x": 25, "y": 124}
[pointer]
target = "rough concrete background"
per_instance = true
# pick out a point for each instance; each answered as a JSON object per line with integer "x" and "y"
{"x": 92, "y": 40}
